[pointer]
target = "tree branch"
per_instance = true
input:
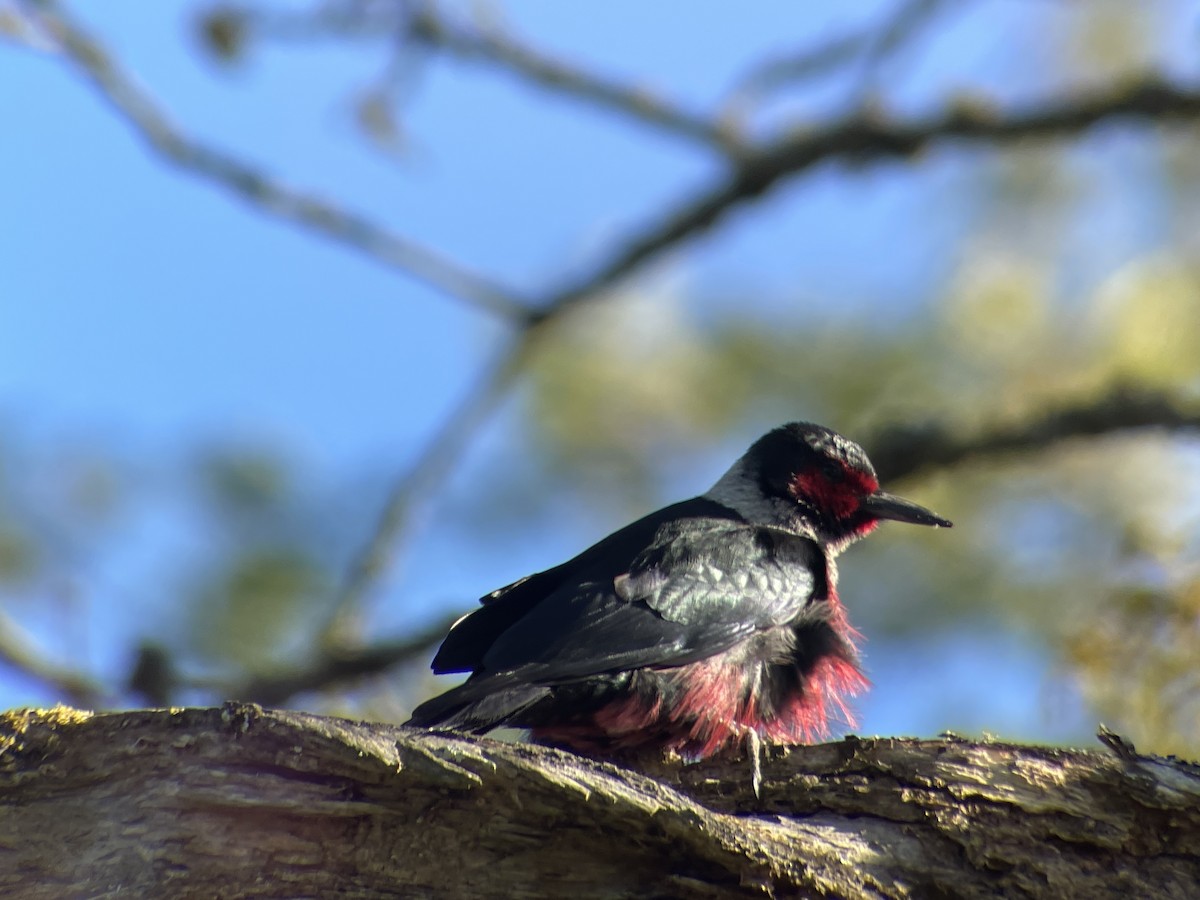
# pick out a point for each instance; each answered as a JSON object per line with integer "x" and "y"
{"x": 17, "y": 650}
{"x": 255, "y": 186}
{"x": 900, "y": 451}
{"x": 505, "y": 52}
{"x": 871, "y": 45}
{"x": 330, "y": 666}
{"x": 414, "y": 489}
{"x": 437, "y": 461}
{"x": 902, "y": 27}
{"x": 424, "y": 24}
{"x": 240, "y": 801}
{"x": 861, "y": 140}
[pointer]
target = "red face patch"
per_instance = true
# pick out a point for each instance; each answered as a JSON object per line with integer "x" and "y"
{"x": 840, "y": 498}
{"x": 866, "y": 484}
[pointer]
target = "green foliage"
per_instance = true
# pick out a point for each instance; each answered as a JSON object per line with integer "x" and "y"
{"x": 245, "y": 482}
{"x": 258, "y": 608}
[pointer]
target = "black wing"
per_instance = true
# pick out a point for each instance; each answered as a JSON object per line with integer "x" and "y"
{"x": 697, "y": 590}
{"x": 698, "y": 587}
{"x": 469, "y": 640}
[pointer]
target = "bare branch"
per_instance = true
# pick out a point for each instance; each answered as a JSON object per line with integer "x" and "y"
{"x": 18, "y": 650}
{"x": 416, "y": 487}
{"x": 257, "y": 187}
{"x": 505, "y": 51}
{"x": 868, "y": 46}
{"x": 331, "y": 667}
{"x": 860, "y": 139}
{"x": 799, "y": 66}
{"x": 867, "y": 139}
{"x": 437, "y": 461}
{"x": 424, "y": 24}
{"x": 906, "y": 23}
{"x": 901, "y": 451}
{"x": 18, "y": 30}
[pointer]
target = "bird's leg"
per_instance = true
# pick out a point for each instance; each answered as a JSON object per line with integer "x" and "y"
{"x": 754, "y": 751}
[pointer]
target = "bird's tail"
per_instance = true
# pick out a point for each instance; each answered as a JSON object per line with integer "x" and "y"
{"x": 478, "y": 706}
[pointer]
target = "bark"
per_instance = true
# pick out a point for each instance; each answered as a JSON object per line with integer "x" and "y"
{"x": 245, "y": 802}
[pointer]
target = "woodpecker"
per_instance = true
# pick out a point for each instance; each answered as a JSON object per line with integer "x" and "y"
{"x": 709, "y": 622}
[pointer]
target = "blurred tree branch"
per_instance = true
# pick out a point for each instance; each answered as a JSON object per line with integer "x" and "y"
{"x": 206, "y": 802}
{"x": 413, "y": 490}
{"x": 493, "y": 47}
{"x": 262, "y": 190}
{"x": 859, "y": 140}
{"x": 900, "y": 451}
{"x": 752, "y": 170}
{"x": 868, "y": 46}
{"x": 331, "y": 666}
{"x": 424, "y": 25}
{"x": 20, "y": 651}
{"x": 875, "y": 42}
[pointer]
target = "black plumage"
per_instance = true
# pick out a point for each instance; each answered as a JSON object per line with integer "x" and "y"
{"x": 683, "y": 584}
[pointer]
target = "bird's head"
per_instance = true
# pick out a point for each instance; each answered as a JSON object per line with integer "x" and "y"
{"x": 810, "y": 478}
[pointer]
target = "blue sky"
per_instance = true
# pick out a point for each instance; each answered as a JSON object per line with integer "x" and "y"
{"x": 140, "y": 307}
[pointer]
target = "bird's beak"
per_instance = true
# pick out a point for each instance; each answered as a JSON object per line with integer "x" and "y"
{"x": 883, "y": 505}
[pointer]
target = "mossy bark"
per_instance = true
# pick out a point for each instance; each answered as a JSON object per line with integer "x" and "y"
{"x": 245, "y": 802}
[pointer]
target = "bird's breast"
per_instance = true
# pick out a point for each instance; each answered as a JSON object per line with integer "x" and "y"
{"x": 785, "y": 685}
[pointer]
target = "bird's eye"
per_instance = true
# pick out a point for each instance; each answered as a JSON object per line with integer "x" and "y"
{"x": 833, "y": 471}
